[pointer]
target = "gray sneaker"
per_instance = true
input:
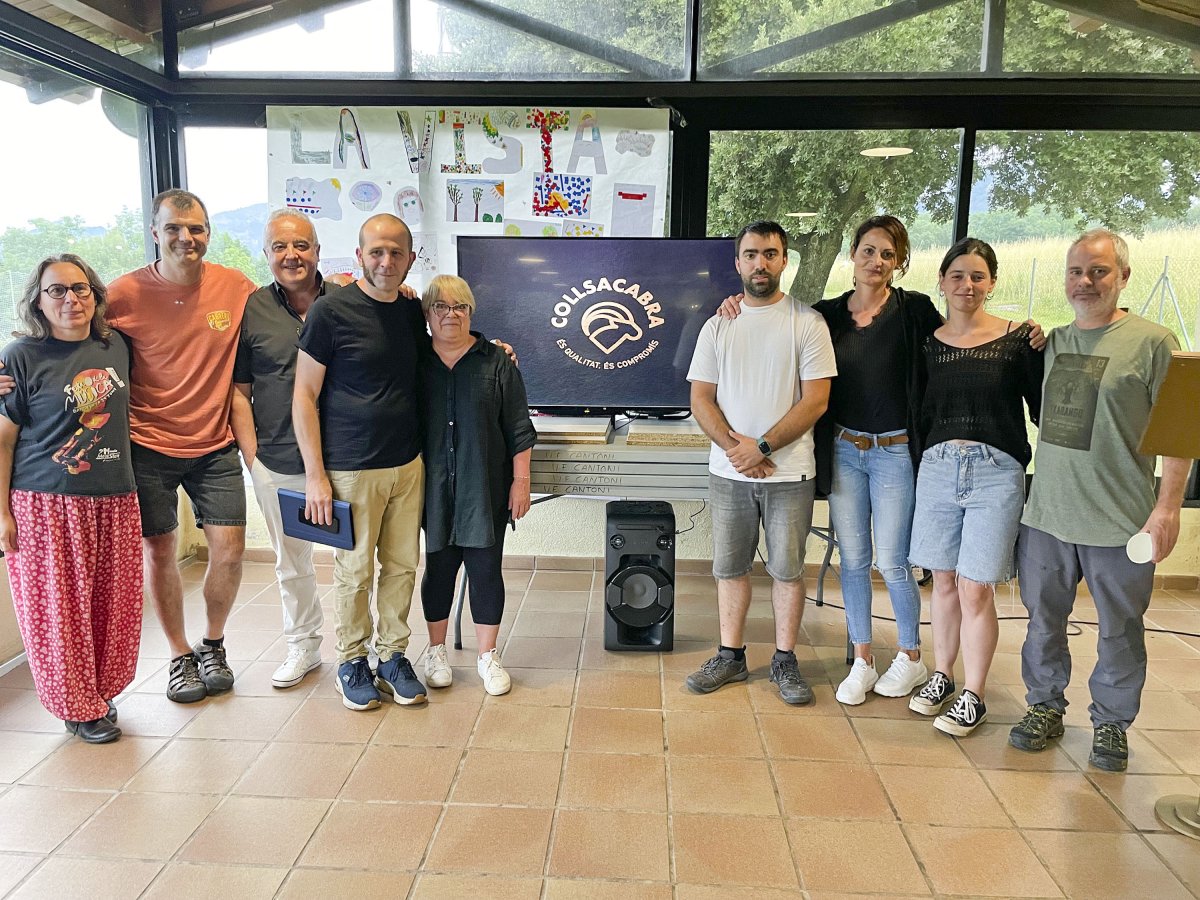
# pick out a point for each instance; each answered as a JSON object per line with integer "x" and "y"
{"x": 183, "y": 680}
{"x": 794, "y": 690}
{"x": 719, "y": 670}
{"x": 214, "y": 668}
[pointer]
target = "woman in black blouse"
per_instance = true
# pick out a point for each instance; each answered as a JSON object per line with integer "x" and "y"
{"x": 478, "y": 441}
{"x": 971, "y": 485}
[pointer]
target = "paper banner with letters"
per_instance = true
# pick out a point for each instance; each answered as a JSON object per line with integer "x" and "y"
{"x": 449, "y": 171}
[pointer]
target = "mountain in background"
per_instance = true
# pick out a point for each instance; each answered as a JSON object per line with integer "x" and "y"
{"x": 245, "y": 224}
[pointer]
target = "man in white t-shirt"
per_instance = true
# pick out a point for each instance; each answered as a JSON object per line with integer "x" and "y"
{"x": 759, "y": 384}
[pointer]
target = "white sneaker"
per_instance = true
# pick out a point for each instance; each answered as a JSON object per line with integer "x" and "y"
{"x": 901, "y": 677}
{"x": 495, "y": 679}
{"x": 437, "y": 668}
{"x": 861, "y": 679}
{"x": 300, "y": 661}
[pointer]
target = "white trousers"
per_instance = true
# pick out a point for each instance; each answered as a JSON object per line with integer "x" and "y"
{"x": 302, "y": 616}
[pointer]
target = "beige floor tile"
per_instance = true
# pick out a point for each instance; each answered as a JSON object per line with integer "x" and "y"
{"x": 37, "y": 819}
{"x": 339, "y": 842}
{"x": 726, "y": 892}
{"x": 615, "y": 781}
{"x": 1168, "y": 710}
{"x": 1180, "y": 855}
{"x": 1144, "y": 756}
{"x": 555, "y": 601}
{"x": 988, "y": 748}
{"x": 261, "y": 831}
{"x": 90, "y": 767}
{"x": 142, "y": 826}
{"x": 583, "y": 845}
{"x": 730, "y": 698}
{"x": 617, "y": 730}
{"x": 1135, "y": 795}
{"x": 542, "y": 652}
{"x": 981, "y": 861}
{"x": 439, "y": 886}
{"x": 153, "y": 715}
{"x": 409, "y": 774}
{"x": 14, "y": 867}
{"x": 854, "y": 856}
{"x": 99, "y": 879}
{"x": 1180, "y": 747}
{"x": 515, "y": 777}
{"x": 511, "y": 727}
{"x": 1054, "y": 800}
{"x": 1179, "y": 674}
{"x": 942, "y": 797}
{"x": 312, "y": 771}
{"x": 324, "y": 719}
{"x": 595, "y": 656}
{"x": 764, "y": 697}
{"x": 243, "y": 882}
{"x": 531, "y": 687}
{"x": 705, "y": 855}
{"x": 909, "y": 742}
{"x": 196, "y": 766}
{"x": 561, "y": 581}
{"x": 686, "y": 658}
{"x": 625, "y": 690}
{"x": 733, "y": 786}
{"x": 491, "y": 840}
{"x": 548, "y": 623}
{"x": 239, "y": 718}
{"x": 831, "y": 790}
{"x": 1100, "y": 866}
{"x": 429, "y": 725}
{"x": 712, "y": 734}
{"x": 305, "y": 884}
{"x": 811, "y": 737}
{"x": 23, "y": 751}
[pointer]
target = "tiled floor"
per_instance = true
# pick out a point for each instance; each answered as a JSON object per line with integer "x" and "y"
{"x": 598, "y": 776}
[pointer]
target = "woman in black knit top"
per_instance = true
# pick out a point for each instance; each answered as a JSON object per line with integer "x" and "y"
{"x": 971, "y": 482}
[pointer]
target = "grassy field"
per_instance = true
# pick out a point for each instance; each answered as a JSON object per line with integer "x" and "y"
{"x": 1033, "y": 271}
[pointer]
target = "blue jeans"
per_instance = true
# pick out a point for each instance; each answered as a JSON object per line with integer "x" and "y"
{"x": 875, "y": 487}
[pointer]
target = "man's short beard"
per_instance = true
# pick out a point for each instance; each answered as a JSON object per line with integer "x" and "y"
{"x": 767, "y": 290}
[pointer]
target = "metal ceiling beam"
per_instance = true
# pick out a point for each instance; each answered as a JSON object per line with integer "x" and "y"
{"x": 1132, "y": 17}
{"x": 131, "y": 21}
{"x": 776, "y": 54}
{"x": 991, "y": 56}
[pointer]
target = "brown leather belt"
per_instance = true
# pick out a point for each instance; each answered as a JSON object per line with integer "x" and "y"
{"x": 866, "y": 441}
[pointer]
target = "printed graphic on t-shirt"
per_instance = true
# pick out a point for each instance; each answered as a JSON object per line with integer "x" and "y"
{"x": 1069, "y": 400}
{"x": 219, "y": 319}
{"x": 88, "y": 394}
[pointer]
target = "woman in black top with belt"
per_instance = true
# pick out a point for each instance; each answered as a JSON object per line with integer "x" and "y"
{"x": 478, "y": 442}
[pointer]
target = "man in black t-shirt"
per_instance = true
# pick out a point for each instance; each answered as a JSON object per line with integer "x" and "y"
{"x": 358, "y": 357}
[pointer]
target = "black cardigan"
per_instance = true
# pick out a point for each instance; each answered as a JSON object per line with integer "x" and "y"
{"x": 919, "y": 319}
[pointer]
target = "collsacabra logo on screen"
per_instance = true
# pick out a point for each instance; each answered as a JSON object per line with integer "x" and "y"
{"x": 607, "y": 323}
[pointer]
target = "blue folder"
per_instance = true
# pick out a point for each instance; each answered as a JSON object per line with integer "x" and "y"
{"x": 340, "y": 534}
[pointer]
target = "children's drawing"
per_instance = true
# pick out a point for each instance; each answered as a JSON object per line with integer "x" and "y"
{"x": 300, "y": 156}
{"x": 547, "y": 121}
{"x": 633, "y": 210}
{"x": 514, "y": 154}
{"x": 474, "y": 200}
{"x": 579, "y": 228}
{"x": 365, "y": 195}
{"x": 425, "y": 247}
{"x": 318, "y": 199}
{"x": 587, "y": 144}
{"x": 409, "y": 207}
{"x": 461, "y": 166}
{"x": 533, "y": 228}
{"x": 339, "y": 265}
{"x": 418, "y": 153}
{"x": 561, "y": 195}
{"x": 636, "y": 142}
{"x": 349, "y": 140}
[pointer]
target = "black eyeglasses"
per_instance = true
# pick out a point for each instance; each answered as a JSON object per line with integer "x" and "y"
{"x": 445, "y": 309}
{"x": 80, "y": 289}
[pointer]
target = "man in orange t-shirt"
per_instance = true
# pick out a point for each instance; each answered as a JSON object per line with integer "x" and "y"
{"x": 182, "y": 317}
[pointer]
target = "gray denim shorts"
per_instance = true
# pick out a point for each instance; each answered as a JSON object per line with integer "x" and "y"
{"x": 782, "y": 508}
{"x": 213, "y": 483}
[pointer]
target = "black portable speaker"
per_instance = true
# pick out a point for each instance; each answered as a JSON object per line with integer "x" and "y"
{"x": 639, "y": 575}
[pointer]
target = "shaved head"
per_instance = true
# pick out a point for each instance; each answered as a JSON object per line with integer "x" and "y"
{"x": 383, "y": 223}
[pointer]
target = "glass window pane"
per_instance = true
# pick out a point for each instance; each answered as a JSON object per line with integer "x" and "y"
{"x": 54, "y": 201}
{"x": 1044, "y": 38}
{"x": 838, "y": 36}
{"x": 130, "y": 29}
{"x": 820, "y": 187}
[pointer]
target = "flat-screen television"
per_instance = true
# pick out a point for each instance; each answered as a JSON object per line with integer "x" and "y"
{"x": 603, "y": 324}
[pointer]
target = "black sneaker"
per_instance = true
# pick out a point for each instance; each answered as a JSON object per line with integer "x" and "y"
{"x": 214, "y": 670}
{"x": 1039, "y": 725}
{"x": 938, "y": 691}
{"x": 183, "y": 680}
{"x": 396, "y": 677}
{"x": 785, "y": 672}
{"x": 718, "y": 671}
{"x": 1110, "y": 748}
{"x": 967, "y": 712}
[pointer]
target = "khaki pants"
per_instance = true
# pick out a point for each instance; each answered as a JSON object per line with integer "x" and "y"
{"x": 386, "y": 506}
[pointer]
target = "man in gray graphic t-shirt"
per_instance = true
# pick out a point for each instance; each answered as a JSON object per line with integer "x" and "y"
{"x": 1091, "y": 492}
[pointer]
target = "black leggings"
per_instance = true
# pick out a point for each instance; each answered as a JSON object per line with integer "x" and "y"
{"x": 484, "y": 581}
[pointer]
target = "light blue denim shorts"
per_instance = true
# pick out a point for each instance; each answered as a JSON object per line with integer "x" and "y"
{"x": 969, "y": 501}
{"x": 783, "y": 508}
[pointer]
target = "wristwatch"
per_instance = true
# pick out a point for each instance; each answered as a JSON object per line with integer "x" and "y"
{"x": 763, "y": 447}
